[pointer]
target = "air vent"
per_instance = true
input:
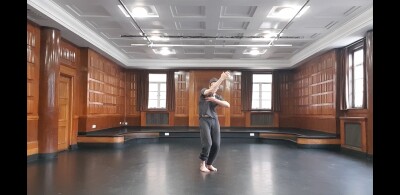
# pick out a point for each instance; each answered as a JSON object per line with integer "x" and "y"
{"x": 328, "y": 26}
{"x": 351, "y": 10}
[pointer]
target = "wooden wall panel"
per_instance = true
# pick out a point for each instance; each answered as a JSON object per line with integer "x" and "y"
{"x": 200, "y": 79}
{"x": 101, "y": 122}
{"x": 132, "y": 113}
{"x": 69, "y": 65}
{"x": 105, "y": 93}
{"x": 181, "y": 94}
{"x": 308, "y": 95}
{"x": 238, "y": 121}
{"x": 236, "y": 97}
{"x": 33, "y": 69}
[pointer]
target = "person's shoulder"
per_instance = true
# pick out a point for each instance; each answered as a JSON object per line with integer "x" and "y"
{"x": 202, "y": 91}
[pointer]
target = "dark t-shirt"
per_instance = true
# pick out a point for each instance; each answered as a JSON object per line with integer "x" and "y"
{"x": 207, "y": 107}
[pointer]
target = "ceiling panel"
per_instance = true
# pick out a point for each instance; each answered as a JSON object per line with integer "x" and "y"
{"x": 203, "y": 29}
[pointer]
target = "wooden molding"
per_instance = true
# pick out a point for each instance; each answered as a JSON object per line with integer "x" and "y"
{"x": 92, "y": 139}
{"x": 32, "y": 148}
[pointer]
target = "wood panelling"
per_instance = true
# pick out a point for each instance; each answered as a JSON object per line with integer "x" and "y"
{"x": 133, "y": 120}
{"x": 181, "y": 94}
{"x": 181, "y": 121}
{"x": 324, "y": 124}
{"x": 236, "y": 95}
{"x": 309, "y": 141}
{"x": 87, "y": 139}
{"x": 32, "y": 148}
{"x": 238, "y": 121}
{"x": 69, "y": 54}
{"x": 200, "y": 79}
{"x": 308, "y": 95}
{"x": 100, "y": 122}
{"x": 33, "y": 69}
{"x": 69, "y": 66}
{"x": 105, "y": 92}
{"x": 32, "y": 129}
{"x": 132, "y": 113}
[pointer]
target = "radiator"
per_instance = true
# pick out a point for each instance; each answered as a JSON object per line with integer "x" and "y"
{"x": 352, "y": 135}
{"x": 261, "y": 119}
{"x": 157, "y": 118}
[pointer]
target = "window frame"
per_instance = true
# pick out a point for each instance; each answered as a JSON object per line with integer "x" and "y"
{"x": 350, "y": 74}
{"x": 158, "y": 92}
{"x": 259, "y": 84}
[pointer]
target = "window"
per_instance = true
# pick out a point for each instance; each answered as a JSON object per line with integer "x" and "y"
{"x": 157, "y": 91}
{"x": 356, "y": 76}
{"x": 262, "y": 91}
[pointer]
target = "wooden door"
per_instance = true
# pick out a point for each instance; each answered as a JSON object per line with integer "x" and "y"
{"x": 64, "y": 116}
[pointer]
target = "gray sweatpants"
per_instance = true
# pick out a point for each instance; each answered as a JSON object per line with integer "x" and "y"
{"x": 210, "y": 139}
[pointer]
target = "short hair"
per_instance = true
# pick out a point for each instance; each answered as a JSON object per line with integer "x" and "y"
{"x": 213, "y": 80}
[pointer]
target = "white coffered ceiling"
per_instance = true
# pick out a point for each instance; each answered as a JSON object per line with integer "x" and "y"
{"x": 206, "y": 33}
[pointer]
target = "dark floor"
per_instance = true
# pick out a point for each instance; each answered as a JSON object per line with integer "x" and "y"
{"x": 171, "y": 166}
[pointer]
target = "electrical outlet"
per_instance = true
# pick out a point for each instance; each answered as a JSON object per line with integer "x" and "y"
{"x": 93, "y": 126}
{"x": 166, "y": 134}
{"x": 251, "y": 134}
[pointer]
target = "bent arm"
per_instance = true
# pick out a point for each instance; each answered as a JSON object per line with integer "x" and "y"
{"x": 222, "y": 103}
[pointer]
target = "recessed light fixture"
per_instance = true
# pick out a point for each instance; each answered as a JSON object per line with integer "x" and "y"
{"x": 254, "y": 51}
{"x": 164, "y": 51}
{"x": 286, "y": 12}
{"x": 139, "y": 12}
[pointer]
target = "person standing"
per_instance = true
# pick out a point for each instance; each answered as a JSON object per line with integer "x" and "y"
{"x": 208, "y": 122}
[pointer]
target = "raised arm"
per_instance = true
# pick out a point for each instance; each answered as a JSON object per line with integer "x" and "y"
{"x": 214, "y": 87}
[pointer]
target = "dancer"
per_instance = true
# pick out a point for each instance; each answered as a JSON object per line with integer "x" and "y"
{"x": 208, "y": 122}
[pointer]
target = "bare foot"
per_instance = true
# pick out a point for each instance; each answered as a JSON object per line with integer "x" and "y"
{"x": 211, "y": 168}
{"x": 203, "y": 168}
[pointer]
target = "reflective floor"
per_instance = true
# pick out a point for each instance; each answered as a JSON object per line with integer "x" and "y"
{"x": 171, "y": 166}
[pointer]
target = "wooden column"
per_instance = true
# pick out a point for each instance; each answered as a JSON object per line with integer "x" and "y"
{"x": 48, "y": 92}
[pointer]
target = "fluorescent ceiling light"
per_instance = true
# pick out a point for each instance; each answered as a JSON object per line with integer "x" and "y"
{"x": 220, "y": 45}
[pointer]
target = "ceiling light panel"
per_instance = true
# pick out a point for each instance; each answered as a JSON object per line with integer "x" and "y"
{"x": 89, "y": 11}
{"x": 219, "y": 50}
{"x": 182, "y": 11}
{"x": 286, "y": 12}
{"x": 190, "y": 25}
{"x": 194, "y": 51}
{"x": 237, "y": 11}
{"x": 143, "y": 11}
{"x": 231, "y": 25}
